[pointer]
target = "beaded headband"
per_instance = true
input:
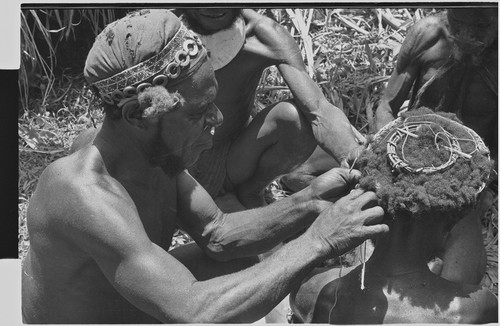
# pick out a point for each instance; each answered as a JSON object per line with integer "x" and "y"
{"x": 155, "y": 71}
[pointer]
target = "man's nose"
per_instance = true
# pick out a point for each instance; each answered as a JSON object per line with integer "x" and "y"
{"x": 214, "y": 116}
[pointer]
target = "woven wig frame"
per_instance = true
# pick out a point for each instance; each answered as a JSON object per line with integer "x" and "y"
{"x": 397, "y": 130}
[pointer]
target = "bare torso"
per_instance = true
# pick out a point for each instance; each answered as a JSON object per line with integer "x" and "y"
{"x": 64, "y": 283}
{"x": 238, "y": 82}
{"x": 415, "y": 298}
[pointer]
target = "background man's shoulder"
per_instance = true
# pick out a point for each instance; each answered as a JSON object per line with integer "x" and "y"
{"x": 431, "y": 24}
{"x": 425, "y": 34}
{"x": 263, "y": 26}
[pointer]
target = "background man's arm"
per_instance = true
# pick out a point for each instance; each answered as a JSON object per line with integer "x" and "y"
{"x": 107, "y": 226}
{"x": 330, "y": 125}
{"x": 420, "y": 38}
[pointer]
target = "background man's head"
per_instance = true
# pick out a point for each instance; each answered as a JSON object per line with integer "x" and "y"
{"x": 473, "y": 29}
{"x": 206, "y": 21}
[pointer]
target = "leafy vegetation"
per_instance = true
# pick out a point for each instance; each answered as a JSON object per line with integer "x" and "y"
{"x": 349, "y": 52}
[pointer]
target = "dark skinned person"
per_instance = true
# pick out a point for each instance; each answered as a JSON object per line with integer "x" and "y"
{"x": 101, "y": 220}
{"x": 449, "y": 62}
{"x": 395, "y": 285}
{"x": 427, "y": 47}
{"x": 247, "y": 156}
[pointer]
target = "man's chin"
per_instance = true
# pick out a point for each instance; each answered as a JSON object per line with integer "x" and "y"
{"x": 170, "y": 164}
{"x": 193, "y": 159}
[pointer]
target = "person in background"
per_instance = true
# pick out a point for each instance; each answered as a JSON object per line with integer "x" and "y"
{"x": 449, "y": 62}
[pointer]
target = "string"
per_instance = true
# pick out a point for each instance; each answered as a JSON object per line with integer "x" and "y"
{"x": 336, "y": 291}
{"x": 363, "y": 269}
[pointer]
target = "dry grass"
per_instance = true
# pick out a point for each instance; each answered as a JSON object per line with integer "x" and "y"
{"x": 45, "y": 136}
{"x": 350, "y": 53}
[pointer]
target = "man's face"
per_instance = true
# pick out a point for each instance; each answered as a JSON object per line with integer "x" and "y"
{"x": 473, "y": 30}
{"x": 208, "y": 21}
{"x": 187, "y": 131}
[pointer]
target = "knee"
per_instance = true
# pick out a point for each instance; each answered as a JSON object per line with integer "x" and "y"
{"x": 287, "y": 114}
{"x": 292, "y": 126}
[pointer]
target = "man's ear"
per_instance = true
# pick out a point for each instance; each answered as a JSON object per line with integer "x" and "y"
{"x": 132, "y": 114}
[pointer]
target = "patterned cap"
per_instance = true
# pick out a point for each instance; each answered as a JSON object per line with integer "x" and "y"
{"x": 145, "y": 48}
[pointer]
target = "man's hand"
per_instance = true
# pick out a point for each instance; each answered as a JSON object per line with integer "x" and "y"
{"x": 333, "y": 184}
{"x": 350, "y": 160}
{"x": 347, "y": 223}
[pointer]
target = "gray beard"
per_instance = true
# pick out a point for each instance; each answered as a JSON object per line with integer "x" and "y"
{"x": 163, "y": 157}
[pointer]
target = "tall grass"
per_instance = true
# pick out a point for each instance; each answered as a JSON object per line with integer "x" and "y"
{"x": 42, "y": 32}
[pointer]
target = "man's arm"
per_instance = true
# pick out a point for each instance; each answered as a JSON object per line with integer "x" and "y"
{"x": 251, "y": 232}
{"x": 330, "y": 125}
{"x": 106, "y": 225}
{"x": 424, "y": 35}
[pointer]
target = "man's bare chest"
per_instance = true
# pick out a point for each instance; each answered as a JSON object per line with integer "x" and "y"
{"x": 470, "y": 89}
{"x": 240, "y": 77}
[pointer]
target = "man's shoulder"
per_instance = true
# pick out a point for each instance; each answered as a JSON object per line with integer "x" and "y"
{"x": 475, "y": 304}
{"x": 430, "y": 24}
{"x": 426, "y": 34}
{"x": 72, "y": 171}
{"x": 428, "y": 29}
{"x": 264, "y": 27}
{"x": 269, "y": 40}
{"x": 68, "y": 186}
{"x": 464, "y": 303}
{"x": 253, "y": 18}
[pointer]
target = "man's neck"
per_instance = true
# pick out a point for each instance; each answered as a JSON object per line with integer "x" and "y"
{"x": 124, "y": 155}
{"x": 404, "y": 250}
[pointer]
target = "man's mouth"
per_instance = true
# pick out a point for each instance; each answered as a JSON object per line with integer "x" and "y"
{"x": 212, "y": 130}
{"x": 214, "y": 15}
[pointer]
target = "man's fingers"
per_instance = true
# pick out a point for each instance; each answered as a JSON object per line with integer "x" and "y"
{"x": 355, "y": 193}
{"x": 373, "y": 230}
{"x": 353, "y": 176}
{"x": 362, "y": 197}
{"x": 374, "y": 215}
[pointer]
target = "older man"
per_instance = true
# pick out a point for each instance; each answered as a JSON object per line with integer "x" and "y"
{"x": 247, "y": 156}
{"x": 101, "y": 219}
